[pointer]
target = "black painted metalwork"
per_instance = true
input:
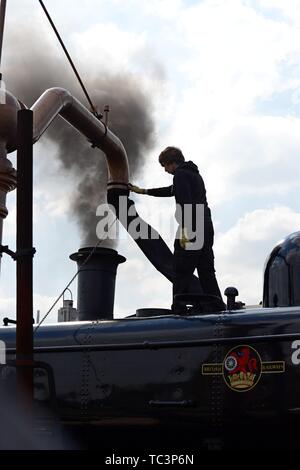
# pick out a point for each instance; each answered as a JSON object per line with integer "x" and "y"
{"x": 282, "y": 274}
{"x": 96, "y": 282}
{"x": 170, "y": 371}
{"x": 25, "y": 252}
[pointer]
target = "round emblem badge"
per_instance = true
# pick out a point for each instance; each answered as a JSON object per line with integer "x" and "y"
{"x": 241, "y": 368}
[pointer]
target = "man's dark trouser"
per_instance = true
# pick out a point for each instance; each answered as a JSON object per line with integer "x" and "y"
{"x": 185, "y": 263}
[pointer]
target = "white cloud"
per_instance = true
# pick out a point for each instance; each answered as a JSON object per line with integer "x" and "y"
{"x": 165, "y": 9}
{"x": 139, "y": 284}
{"x": 233, "y": 59}
{"x": 257, "y": 155}
{"x": 9, "y": 224}
{"x": 40, "y": 302}
{"x": 54, "y": 187}
{"x": 7, "y": 306}
{"x": 43, "y": 304}
{"x": 108, "y": 45}
{"x": 242, "y": 250}
{"x": 289, "y": 9}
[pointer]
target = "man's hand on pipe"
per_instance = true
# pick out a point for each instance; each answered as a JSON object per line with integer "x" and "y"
{"x": 136, "y": 189}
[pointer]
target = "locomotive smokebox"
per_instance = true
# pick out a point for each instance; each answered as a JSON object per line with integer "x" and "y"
{"x": 96, "y": 282}
{"x": 282, "y": 274}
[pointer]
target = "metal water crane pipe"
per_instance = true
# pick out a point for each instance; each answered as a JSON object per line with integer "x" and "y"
{"x": 57, "y": 101}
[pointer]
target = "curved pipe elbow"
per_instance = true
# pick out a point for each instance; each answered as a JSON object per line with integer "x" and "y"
{"x": 47, "y": 107}
{"x": 57, "y": 101}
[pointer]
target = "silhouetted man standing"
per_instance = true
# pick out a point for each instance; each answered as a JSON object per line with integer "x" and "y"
{"x": 195, "y": 234}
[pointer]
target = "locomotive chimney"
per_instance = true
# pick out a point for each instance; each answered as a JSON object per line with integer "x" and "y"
{"x": 96, "y": 282}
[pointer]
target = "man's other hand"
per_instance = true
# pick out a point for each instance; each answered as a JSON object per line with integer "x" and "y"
{"x": 183, "y": 238}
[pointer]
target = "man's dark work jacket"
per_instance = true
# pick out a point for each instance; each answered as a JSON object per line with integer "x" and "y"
{"x": 188, "y": 188}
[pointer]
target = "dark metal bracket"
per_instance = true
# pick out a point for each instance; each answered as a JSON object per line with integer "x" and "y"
{"x": 5, "y": 249}
{"x": 26, "y": 252}
{"x": 7, "y": 321}
{"x": 17, "y": 254}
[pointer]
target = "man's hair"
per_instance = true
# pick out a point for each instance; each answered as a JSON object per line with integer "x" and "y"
{"x": 171, "y": 155}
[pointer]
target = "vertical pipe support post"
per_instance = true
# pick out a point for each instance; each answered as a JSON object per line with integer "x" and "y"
{"x": 25, "y": 253}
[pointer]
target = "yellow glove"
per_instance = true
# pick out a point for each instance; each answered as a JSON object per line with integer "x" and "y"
{"x": 183, "y": 238}
{"x": 136, "y": 189}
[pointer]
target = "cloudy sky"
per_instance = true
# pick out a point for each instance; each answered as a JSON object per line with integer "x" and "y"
{"x": 218, "y": 78}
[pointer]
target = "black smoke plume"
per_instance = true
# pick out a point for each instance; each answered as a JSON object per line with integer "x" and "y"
{"x": 34, "y": 64}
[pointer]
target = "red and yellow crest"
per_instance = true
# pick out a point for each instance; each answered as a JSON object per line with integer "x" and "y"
{"x": 242, "y": 368}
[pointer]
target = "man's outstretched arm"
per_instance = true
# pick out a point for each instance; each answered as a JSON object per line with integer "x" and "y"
{"x": 157, "y": 192}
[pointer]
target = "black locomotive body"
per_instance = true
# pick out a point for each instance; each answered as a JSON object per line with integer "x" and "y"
{"x": 230, "y": 377}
